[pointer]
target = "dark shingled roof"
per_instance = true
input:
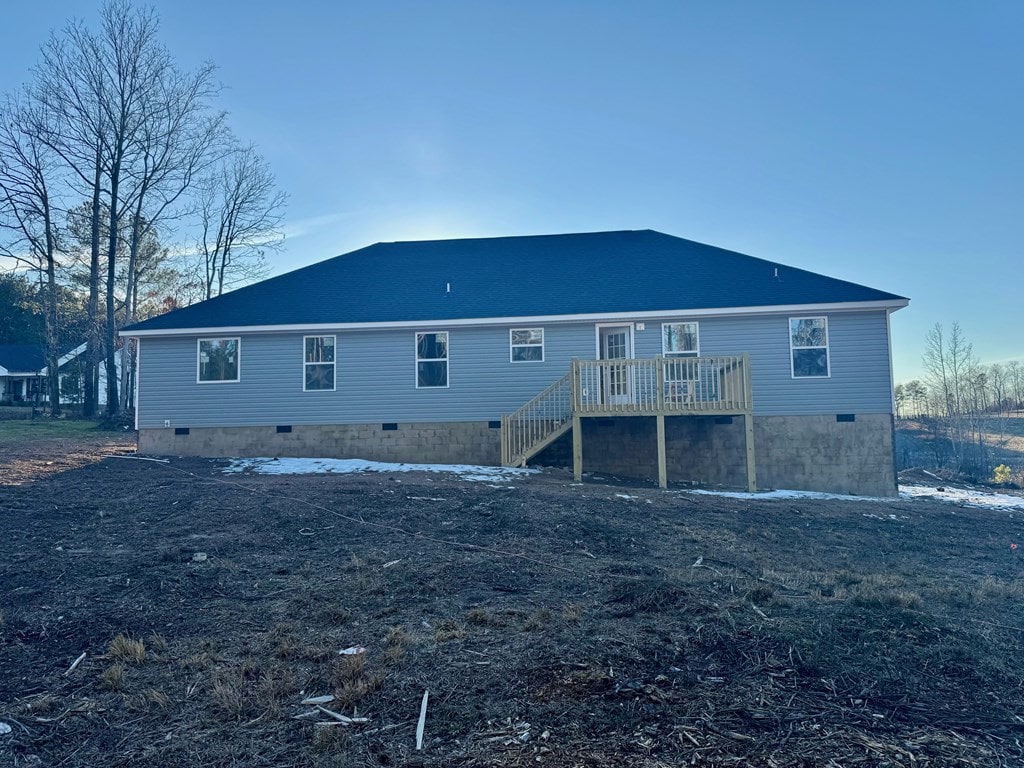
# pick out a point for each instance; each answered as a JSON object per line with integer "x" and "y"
{"x": 22, "y": 358}
{"x": 593, "y": 273}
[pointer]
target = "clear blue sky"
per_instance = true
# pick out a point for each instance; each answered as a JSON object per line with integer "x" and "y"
{"x": 877, "y": 142}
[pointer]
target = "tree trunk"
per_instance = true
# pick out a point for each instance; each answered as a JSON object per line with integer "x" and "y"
{"x": 52, "y": 341}
{"x": 131, "y": 304}
{"x": 92, "y": 354}
{"x": 110, "y": 332}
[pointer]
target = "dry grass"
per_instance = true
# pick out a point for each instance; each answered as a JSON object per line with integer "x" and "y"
{"x": 250, "y": 690}
{"x": 352, "y": 680}
{"x": 537, "y": 620}
{"x": 572, "y": 612}
{"x": 113, "y": 677}
{"x": 396, "y": 641}
{"x": 449, "y": 631}
{"x": 329, "y": 738}
{"x": 148, "y": 699}
{"x": 127, "y": 650}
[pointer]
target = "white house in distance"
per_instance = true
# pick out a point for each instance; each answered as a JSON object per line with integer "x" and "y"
{"x": 632, "y": 352}
{"x": 23, "y": 372}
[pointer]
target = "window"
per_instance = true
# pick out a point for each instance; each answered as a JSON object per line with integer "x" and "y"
{"x": 527, "y": 345}
{"x": 218, "y": 360}
{"x": 318, "y": 363}
{"x": 808, "y": 343}
{"x": 680, "y": 340}
{"x": 432, "y": 359}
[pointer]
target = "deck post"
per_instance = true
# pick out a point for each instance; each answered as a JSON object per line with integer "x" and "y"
{"x": 748, "y": 395}
{"x": 748, "y": 425}
{"x": 662, "y": 468}
{"x": 577, "y": 448}
{"x": 504, "y": 441}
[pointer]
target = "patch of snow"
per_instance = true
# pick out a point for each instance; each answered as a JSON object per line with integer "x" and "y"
{"x": 625, "y": 496}
{"x": 288, "y": 466}
{"x": 966, "y": 498}
{"x": 784, "y": 494}
{"x": 962, "y": 497}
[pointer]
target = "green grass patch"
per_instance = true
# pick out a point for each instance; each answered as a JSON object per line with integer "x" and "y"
{"x": 45, "y": 429}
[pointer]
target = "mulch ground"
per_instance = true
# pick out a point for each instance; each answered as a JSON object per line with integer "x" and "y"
{"x": 552, "y": 623}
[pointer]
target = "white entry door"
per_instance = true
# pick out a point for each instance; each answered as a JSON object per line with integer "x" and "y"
{"x": 616, "y": 343}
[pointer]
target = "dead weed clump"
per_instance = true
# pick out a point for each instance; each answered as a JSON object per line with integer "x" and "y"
{"x": 537, "y": 620}
{"x": 448, "y": 631}
{"x": 648, "y": 595}
{"x": 352, "y": 680}
{"x": 113, "y": 677}
{"x": 396, "y": 641}
{"x": 250, "y": 690}
{"x": 127, "y": 650}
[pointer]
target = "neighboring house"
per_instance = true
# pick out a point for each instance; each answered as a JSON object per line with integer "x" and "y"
{"x": 23, "y": 374}
{"x": 634, "y": 353}
{"x": 21, "y": 380}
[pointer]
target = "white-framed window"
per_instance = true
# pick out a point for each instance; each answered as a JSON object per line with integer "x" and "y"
{"x": 526, "y": 345}
{"x": 318, "y": 363}
{"x": 808, "y": 347}
{"x": 432, "y": 359}
{"x": 680, "y": 340}
{"x": 217, "y": 360}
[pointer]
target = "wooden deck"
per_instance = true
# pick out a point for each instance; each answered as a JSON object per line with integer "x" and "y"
{"x": 658, "y": 387}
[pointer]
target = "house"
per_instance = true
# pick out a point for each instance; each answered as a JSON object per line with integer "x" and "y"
{"x": 632, "y": 352}
{"x": 23, "y": 372}
{"x": 21, "y": 378}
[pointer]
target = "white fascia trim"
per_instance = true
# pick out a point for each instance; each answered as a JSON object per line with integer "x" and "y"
{"x": 3, "y": 371}
{"x": 67, "y": 358}
{"x": 781, "y": 309}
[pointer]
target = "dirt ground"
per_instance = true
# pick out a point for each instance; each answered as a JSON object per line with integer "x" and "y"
{"x": 552, "y": 623}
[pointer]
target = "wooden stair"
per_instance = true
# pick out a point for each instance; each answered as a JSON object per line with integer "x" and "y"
{"x": 537, "y": 424}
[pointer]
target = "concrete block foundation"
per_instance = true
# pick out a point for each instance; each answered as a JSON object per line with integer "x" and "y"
{"x": 808, "y": 453}
{"x": 813, "y": 453}
{"x": 471, "y": 442}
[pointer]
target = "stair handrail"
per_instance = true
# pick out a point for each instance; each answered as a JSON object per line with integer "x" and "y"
{"x": 535, "y": 421}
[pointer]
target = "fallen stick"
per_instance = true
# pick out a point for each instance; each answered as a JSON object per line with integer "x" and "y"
{"x": 136, "y": 458}
{"x": 342, "y": 718}
{"x": 423, "y": 720}
{"x": 75, "y": 664}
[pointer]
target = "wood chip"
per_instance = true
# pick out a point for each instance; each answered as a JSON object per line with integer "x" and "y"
{"x": 75, "y": 664}
{"x": 423, "y": 720}
{"x": 318, "y": 699}
{"x": 342, "y": 718}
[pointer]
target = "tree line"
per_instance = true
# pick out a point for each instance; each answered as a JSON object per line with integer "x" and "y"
{"x": 122, "y": 184}
{"x": 960, "y": 401}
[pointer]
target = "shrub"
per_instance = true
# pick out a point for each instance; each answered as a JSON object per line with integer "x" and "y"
{"x": 1002, "y": 474}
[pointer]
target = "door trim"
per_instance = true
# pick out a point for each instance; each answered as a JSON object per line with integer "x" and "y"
{"x": 632, "y": 338}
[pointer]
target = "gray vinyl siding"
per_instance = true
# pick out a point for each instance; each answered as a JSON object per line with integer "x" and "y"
{"x": 376, "y": 373}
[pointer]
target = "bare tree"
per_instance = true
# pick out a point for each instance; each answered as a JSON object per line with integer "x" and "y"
{"x": 133, "y": 134}
{"x": 137, "y": 131}
{"x": 1016, "y": 383}
{"x": 28, "y": 174}
{"x": 240, "y": 212}
{"x": 69, "y": 85}
{"x": 179, "y": 138}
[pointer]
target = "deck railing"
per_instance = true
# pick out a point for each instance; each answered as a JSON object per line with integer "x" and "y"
{"x": 628, "y": 387}
{"x": 537, "y": 423}
{"x": 673, "y": 385}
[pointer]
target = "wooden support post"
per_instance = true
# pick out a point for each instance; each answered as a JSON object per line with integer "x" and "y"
{"x": 577, "y": 448}
{"x": 748, "y": 424}
{"x": 662, "y": 468}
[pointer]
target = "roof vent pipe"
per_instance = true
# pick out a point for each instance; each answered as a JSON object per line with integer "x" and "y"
{"x": 449, "y": 288}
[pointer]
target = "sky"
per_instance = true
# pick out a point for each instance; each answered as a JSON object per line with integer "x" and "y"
{"x": 876, "y": 142}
